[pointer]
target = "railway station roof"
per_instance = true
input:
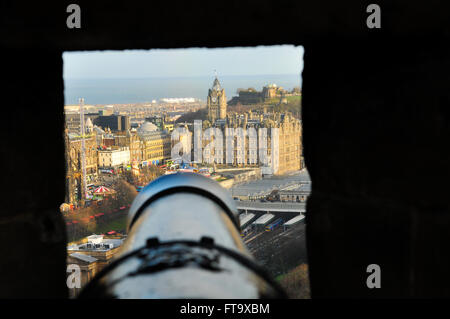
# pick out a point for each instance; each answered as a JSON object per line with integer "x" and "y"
{"x": 264, "y": 219}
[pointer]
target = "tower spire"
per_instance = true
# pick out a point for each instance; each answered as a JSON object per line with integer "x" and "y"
{"x": 216, "y": 84}
{"x": 216, "y": 101}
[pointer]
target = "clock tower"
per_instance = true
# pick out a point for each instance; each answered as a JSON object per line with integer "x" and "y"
{"x": 216, "y": 102}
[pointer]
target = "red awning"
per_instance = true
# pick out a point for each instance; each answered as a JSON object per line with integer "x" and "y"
{"x": 102, "y": 190}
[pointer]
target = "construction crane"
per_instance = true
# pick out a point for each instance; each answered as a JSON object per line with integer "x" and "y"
{"x": 83, "y": 152}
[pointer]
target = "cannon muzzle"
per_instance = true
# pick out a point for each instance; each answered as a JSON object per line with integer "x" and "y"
{"x": 183, "y": 242}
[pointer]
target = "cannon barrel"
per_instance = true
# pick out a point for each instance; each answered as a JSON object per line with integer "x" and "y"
{"x": 183, "y": 242}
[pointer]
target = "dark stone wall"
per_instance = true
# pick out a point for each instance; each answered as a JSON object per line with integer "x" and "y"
{"x": 32, "y": 232}
{"x": 376, "y": 130}
{"x": 376, "y": 123}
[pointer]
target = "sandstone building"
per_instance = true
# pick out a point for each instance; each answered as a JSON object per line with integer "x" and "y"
{"x": 283, "y": 146}
{"x": 216, "y": 102}
{"x": 73, "y": 162}
{"x": 155, "y": 144}
{"x": 91, "y": 255}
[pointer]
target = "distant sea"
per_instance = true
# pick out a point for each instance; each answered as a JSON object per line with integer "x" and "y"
{"x": 124, "y": 91}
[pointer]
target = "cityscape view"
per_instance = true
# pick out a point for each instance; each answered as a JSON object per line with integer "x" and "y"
{"x": 231, "y": 115}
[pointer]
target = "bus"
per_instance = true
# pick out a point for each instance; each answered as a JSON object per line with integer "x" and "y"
{"x": 139, "y": 188}
{"x": 274, "y": 225}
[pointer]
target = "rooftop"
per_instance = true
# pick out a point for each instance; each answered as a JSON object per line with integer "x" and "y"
{"x": 96, "y": 243}
{"x": 147, "y": 127}
{"x": 295, "y": 219}
{"x": 264, "y": 219}
{"x": 245, "y": 218}
{"x": 83, "y": 257}
{"x": 216, "y": 85}
{"x": 304, "y": 188}
{"x": 266, "y": 185}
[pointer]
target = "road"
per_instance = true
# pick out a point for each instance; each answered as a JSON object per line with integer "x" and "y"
{"x": 107, "y": 179}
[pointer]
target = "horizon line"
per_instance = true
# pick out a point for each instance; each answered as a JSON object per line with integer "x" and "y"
{"x": 177, "y": 76}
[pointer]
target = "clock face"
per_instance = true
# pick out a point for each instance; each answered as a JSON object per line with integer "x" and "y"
{"x": 214, "y": 99}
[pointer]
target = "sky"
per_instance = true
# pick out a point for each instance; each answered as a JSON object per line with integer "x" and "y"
{"x": 132, "y": 64}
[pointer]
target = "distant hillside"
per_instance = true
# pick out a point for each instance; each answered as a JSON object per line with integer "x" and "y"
{"x": 234, "y": 100}
{"x": 239, "y": 108}
{"x": 273, "y": 105}
{"x": 293, "y": 105}
{"x": 201, "y": 114}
